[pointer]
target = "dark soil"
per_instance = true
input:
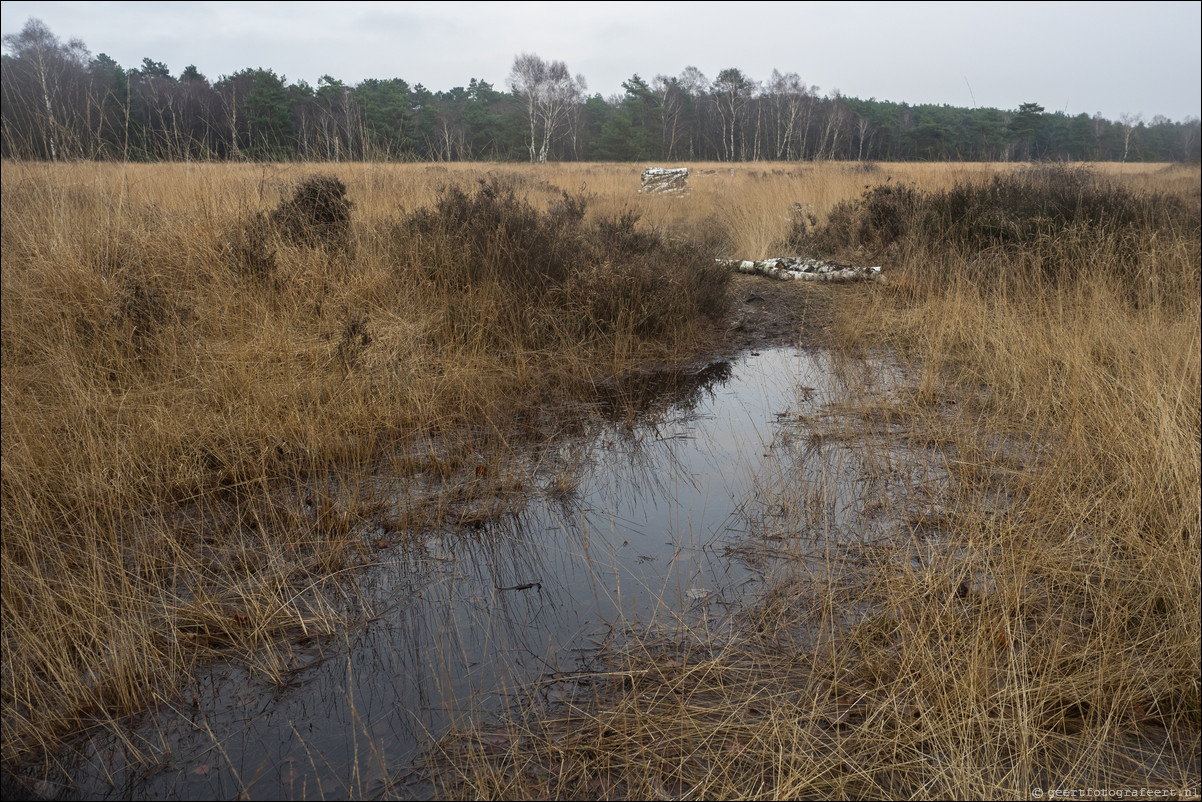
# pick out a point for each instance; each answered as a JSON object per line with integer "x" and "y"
{"x": 766, "y": 312}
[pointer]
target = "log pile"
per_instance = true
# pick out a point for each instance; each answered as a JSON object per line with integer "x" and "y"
{"x": 665, "y": 179}
{"x": 796, "y": 268}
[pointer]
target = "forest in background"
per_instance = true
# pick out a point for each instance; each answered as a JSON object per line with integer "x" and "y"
{"x": 60, "y": 102}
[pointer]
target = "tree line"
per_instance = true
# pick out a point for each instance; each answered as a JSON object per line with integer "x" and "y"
{"x": 59, "y": 102}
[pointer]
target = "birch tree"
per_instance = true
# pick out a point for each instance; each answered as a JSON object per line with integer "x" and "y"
{"x": 1128, "y": 122}
{"x": 732, "y": 90}
{"x": 42, "y": 63}
{"x": 696, "y": 89}
{"x": 791, "y": 106}
{"x": 549, "y": 94}
{"x": 670, "y": 97}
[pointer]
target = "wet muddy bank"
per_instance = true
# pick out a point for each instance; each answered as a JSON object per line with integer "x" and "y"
{"x": 767, "y": 313}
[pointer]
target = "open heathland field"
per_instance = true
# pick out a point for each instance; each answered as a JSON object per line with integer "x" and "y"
{"x": 981, "y": 577}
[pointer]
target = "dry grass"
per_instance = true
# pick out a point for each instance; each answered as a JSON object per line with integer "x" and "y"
{"x": 191, "y": 406}
{"x": 987, "y": 575}
{"x": 198, "y": 385}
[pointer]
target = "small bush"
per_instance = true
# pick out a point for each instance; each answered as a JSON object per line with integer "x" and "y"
{"x": 492, "y": 234}
{"x": 142, "y": 325}
{"x": 571, "y": 208}
{"x": 1038, "y": 202}
{"x": 1059, "y": 218}
{"x": 317, "y": 214}
{"x": 557, "y": 276}
{"x": 881, "y": 216}
{"x": 353, "y": 337}
{"x": 622, "y": 235}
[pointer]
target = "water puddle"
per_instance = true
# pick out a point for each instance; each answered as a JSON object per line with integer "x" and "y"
{"x": 460, "y": 620}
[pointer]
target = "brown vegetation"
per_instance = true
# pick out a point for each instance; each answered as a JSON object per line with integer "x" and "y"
{"x": 1018, "y": 611}
{"x": 202, "y": 362}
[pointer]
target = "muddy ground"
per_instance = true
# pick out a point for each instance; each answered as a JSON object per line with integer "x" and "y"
{"x": 766, "y": 312}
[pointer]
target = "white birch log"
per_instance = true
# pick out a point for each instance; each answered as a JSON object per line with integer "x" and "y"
{"x": 665, "y": 179}
{"x": 795, "y": 268}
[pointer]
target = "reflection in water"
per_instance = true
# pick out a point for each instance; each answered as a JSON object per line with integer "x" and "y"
{"x": 460, "y": 618}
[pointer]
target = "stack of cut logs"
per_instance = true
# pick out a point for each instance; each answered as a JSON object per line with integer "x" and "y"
{"x": 796, "y": 268}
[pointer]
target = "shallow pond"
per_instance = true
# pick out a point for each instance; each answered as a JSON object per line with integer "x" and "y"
{"x": 463, "y": 618}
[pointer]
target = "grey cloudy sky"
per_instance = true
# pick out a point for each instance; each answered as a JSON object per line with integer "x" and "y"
{"x": 1074, "y": 57}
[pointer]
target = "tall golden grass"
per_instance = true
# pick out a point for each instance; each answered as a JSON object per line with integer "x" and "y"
{"x": 1034, "y": 624}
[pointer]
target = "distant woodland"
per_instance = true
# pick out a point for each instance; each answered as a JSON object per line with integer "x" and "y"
{"x": 60, "y": 102}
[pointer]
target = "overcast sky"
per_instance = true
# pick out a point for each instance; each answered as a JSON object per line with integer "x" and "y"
{"x": 1074, "y": 57}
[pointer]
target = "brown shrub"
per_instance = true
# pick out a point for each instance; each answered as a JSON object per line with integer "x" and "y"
{"x": 317, "y": 214}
